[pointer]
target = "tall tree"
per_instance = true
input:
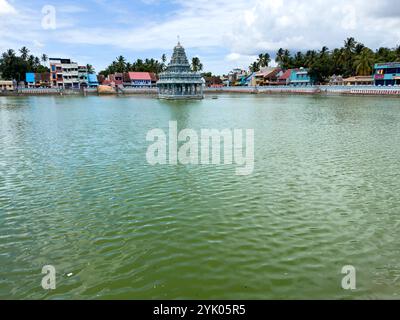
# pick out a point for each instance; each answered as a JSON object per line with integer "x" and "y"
{"x": 364, "y": 62}
{"x": 24, "y": 53}
{"x": 44, "y": 58}
{"x": 90, "y": 69}
{"x": 196, "y": 64}
{"x": 263, "y": 60}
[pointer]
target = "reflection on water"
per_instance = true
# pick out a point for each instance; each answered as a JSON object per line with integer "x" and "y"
{"x": 76, "y": 193}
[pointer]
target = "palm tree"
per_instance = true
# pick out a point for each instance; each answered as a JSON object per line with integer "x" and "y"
{"x": 196, "y": 64}
{"x": 10, "y": 53}
{"x": 24, "y": 53}
{"x": 359, "y": 48}
{"x": 90, "y": 68}
{"x": 350, "y": 44}
{"x": 397, "y": 51}
{"x": 279, "y": 56}
{"x": 310, "y": 57}
{"x": 36, "y": 62}
{"x": 364, "y": 62}
{"x": 264, "y": 60}
{"x": 164, "y": 58}
{"x": 254, "y": 67}
{"x": 121, "y": 64}
{"x": 44, "y": 58}
{"x": 324, "y": 50}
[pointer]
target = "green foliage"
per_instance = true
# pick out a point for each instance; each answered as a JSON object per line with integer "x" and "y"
{"x": 196, "y": 65}
{"x": 121, "y": 65}
{"x": 263, "y": 61}
{"x": 14, "y": 67}
{"x": 354, "y": 58}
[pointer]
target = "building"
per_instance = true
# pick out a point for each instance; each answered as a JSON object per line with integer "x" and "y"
{"x": 117, "y": 78}
{"x": 358, "y": 81}
{"x": 237, "y": 77}
{"x": 250, "y": 79}
{"x": 92, "y": 80}
{"x": 387, "y": 74}
{"x": 154, "y": 79}
{"x": 300, "y": 77}
{"x": 6, "y": 85}
{"x": 284, "y": 79}
{"x": 336, "y": 80}
{"x": 213, "y": 82}
{"x": 179, "y": 81}
{"x": 83, "y": 76}
{"x": 64, "y": 73}
{"x": 37, "y": 80}
{"x": 267, "y": 76}
{"x": 30, "y": 79}
{"x": 137, "y": 79}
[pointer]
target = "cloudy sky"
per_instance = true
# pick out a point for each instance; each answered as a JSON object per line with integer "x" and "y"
{"x": 223, "y": 33}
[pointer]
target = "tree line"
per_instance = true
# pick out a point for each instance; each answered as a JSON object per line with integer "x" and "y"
{"x": 352, "y": 59}
{"x": 13, "y": 65}
{"x": 121, "y": 65}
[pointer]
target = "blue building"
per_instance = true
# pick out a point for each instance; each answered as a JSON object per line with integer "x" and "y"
{"x": 92, "y": 81}
{"x": 300, "y": 77}
{"x": 387, "y": 74}
{"x": 30, "y": 79}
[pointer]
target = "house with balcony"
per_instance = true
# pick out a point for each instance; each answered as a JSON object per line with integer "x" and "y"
{"x": 300, "y": 77}
{"x": 387, "y": 74}
{"x": 64, "y": 73}
{"x": 83, "y": 76}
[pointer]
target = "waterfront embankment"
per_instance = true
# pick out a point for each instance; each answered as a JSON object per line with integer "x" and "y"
{"x": 309, "y": 90}
{"x": 346, "y": 90}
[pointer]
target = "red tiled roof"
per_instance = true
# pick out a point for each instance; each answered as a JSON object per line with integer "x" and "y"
{"x": 153, "y": 76}
{"x": 139, "y": 76}
{"x": 286, "y": 75}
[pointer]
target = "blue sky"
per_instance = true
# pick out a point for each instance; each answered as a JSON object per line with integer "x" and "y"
{"x": 223, "y": 33}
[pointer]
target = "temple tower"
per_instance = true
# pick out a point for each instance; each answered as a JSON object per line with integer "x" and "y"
{"x": 179, "y": 81}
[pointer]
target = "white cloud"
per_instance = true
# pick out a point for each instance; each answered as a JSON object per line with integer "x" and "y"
{"x": 6, "y": 8}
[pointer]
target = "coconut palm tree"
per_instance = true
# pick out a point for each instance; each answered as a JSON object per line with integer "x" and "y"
{"x": 24, "y": 53}
{"x": 310, "y": 57}
{"x": 120, "y": 64}
{"x": 264, "y": 60}
{"x": 196, "y": 64}
{"x": 90, "y": 69}
{"x": 324, "y": 52}
{"x": 350, "y": 44}
{"x": 36, "y": 62}
{"x": 280, "y": 56}
{"x": 254, "y": 67}
{"x": 364, "y": 62}
{"x": 44, "y": 58}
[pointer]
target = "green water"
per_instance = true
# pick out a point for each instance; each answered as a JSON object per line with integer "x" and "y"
{"x": 77, "y": 193}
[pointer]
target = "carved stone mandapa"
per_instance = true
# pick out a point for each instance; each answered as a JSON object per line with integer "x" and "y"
{"x": 179, "y": 81}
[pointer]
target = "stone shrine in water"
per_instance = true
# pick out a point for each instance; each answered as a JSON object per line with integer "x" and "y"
{"x": 179, "y": 81}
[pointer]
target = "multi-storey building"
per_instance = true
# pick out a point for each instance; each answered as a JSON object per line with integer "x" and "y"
{"x": 83, "y": 76}
{"x": 64, "y": 73}
{"x": 387, "y": 74}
